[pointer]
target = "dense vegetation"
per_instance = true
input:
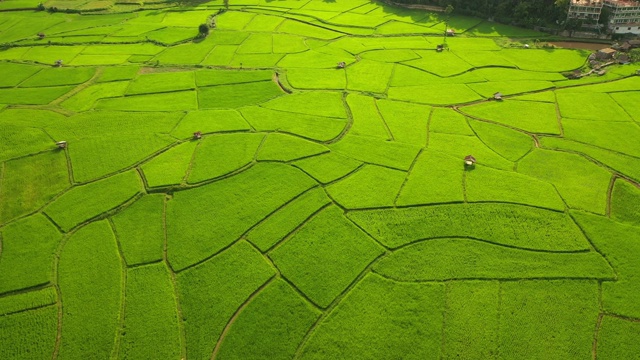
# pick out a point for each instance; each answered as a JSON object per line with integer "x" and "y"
{"x": 521, "y": 12}
{"x": 289, "y": 184}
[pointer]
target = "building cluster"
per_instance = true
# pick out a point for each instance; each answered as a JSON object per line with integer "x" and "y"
{"x": 624, "y": 15}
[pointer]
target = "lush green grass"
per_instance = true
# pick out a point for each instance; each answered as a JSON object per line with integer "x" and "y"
{"x": 512, "y": 145}
{"x": 317, "y": 78}
{"x": 37, "y": 96}
{"x": 325, "y": 256}
{"x": 434, "y": 178}
{"x": 281, "y": 147}
{"x": 406, "y": 122}
{"x": 28, "y": 248}
{"x": 162, "y": 82}
{"x": 285, "y": 220}
{"x": 209, "y": 121}
{"x": 370, "y": 76}
{"x": 328, "y": 167}
{"x": 530, "y": 116}
{"x": 237, "y": 95}
{"x": 140, "y": 232}
{"x": 623, "y": 164}
{"x": 471, "y": 305}
{"x": 14, "y": 303}
{"x": 87, "y": 201}
{"x": 546, "y": 60}
{"x": 236, "y": 204}
{"x": 222, "y": 154}
{"x": 444, "y": 94}
{"x": 377, "y": 151}
{"x": 459, "y": 259}
{"x": 59, "y": 76}
{"x": 118, "y": 73}
{"x": 371, "y": 186}
{"x": 366, "y": 117}
{"x": 379, "y": 319}
{"x": 460, "y": 146}
{"x": 326, "y": 212}
{"x": 150, "y": 316}
{"x": 449, "y": 121}
{"x": 487, "y": 89}
{"x": 174, "y": 101}
{"x": 616, "y": 338}
{"x": 90, "y": 265}
{"x": 272, "y": 325}
{"x": 14, "y": 74}
{"x": 511, "y": 225}
{"x": 441, "y": 64}
{"x": 620, "y": 244}
{"x": 307, "y": 126}
{"x": 29, "y": 334}
{"x": 526, "y": 315}
{"x": 487, "y": 184}
{"x": 96, "y": 156}
{"x": 318, "y": 103}
{"x": 31, "y": 182}
{"x": 581, "y": 183}
{"x": 220, "y": 77}
{"x": 170, "y": 167}
{"x": 212, "y": 292}
{"x": 86, "y": 98}
{"x": 590, "y": 106}
{"x": 617, "y": 136}
{"x": 624, "y": 202}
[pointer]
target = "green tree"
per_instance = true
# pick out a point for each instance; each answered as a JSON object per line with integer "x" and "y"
{"x": 203, "y": 30}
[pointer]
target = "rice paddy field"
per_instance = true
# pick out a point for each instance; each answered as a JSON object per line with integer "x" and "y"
{"x": 323, "y": 211}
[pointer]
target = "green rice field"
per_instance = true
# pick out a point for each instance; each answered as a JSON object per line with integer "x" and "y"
{"x": 293, "y": 186}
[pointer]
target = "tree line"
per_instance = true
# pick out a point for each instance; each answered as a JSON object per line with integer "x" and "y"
{"x": 527, "y": 13}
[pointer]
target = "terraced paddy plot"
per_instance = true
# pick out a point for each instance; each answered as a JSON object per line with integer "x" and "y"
{"x": 161, "y": 82}
{"x": 307, "y": 126}
{"x": 234, "y": 212}
{"x": 399, "y": 227}
{"x": 220, "y": 155}
{"x": 459, "y": 259}
{"x": 530, "y": 116}
{"x": 412, "y": 312}
{"x": 580, "y": 182}
{"x": 334, "y": 261}
{"x": 294, "y": 185}
{"x": 237, "y": 95}
{"x": 28, "y": 249}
